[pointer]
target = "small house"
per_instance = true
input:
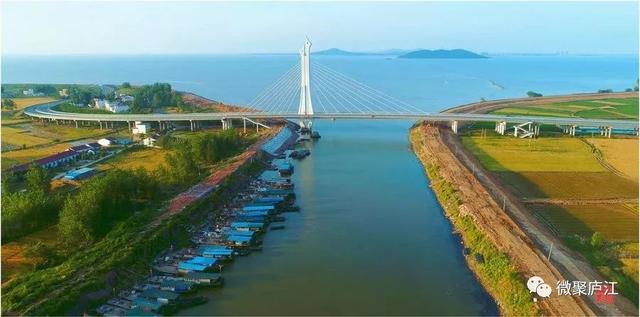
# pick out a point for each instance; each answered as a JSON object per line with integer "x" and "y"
{"x": 149, "y": 141}
{"x": 141, "y": 128}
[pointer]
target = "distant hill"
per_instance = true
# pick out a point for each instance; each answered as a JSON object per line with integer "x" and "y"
{"x": 337, "y": 51}
{"x": 457, "y": 54}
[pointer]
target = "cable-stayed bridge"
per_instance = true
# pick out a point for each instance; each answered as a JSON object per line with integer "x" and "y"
{"x": 310, "y": 91}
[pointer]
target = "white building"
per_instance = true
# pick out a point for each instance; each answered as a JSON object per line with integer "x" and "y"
{"x": 106, "y": 141}
{"x": 113, "y": 106}
{"x": 149, "y": 141}
{"x": 141, "y": 128}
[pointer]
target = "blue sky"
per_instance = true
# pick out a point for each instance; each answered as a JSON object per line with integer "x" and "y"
{"x": 270, "y": 27}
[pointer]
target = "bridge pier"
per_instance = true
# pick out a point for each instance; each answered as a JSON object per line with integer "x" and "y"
{"x": 191, "y": 124}
{"x": 501, "y": 127}
{"x": 454, "y": 126}
{"x": 227, "y": 124}
{"x": 608, "y": 132}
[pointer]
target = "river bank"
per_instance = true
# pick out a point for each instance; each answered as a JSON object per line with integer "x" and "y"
{"x": 499, "y": 252}
{"x": 227, "y": 216}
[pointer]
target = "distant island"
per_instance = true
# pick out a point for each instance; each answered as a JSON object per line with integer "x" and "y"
{"x": 340, "y": 52}
{"x": 401, "y": 53}
{"x": 442, "y": 54}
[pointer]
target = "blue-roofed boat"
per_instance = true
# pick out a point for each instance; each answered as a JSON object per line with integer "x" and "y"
{"x": 243, "y": 225}
{"x": 285, "y": 168}
{"x": 240, "y": 233}
{"x": 256, "y": 213}
{"x": 268, "y": 199}
{"x": 258, "y": 208}
{"x": 239, "y": 240}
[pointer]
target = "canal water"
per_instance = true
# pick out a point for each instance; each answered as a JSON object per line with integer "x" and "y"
{"x": 371, "y": 238}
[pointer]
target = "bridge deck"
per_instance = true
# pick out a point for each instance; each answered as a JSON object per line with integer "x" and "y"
{"x": 46, "y": 111}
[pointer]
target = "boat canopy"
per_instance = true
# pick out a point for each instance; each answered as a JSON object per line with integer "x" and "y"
{"x": 239, "y": 239}
{"x": 242, "y": 224}
{"x": 258, "y": 208}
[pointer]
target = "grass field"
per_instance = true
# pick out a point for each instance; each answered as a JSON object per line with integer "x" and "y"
{"x": 613, "y": 108}
{"x": 148, "y": 158}
{"x": 13, "y": 259}
{"x": 622, "y": 154}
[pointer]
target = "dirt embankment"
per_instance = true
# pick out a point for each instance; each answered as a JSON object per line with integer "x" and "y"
{"x": 496, "y": 224}
{"x": 205, "y": 103}
{"x": 488, "y": 106}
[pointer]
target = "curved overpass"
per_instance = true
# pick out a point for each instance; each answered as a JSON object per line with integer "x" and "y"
{"x": 46, "y": 111}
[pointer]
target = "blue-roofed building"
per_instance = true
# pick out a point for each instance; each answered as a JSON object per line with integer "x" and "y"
{"x": 80, "y": 173}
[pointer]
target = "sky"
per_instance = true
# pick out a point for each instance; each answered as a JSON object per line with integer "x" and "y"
{"x": 61, "y": 28}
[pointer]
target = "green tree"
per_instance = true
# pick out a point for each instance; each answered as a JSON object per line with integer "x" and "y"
{"x": 8, "y": 104}
{"x": 533, "y": 94}
{"x": 9, "y": 182}
{"x": 597, "y": 239}
{"x": 126, "y": 84}
{"x": 38, "y": 179}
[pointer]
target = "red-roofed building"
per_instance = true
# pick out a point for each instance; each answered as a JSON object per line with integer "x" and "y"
{"x": 52, "y": 161}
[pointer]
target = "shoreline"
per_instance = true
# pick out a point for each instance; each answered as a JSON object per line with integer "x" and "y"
{"x": 490, "y": 235}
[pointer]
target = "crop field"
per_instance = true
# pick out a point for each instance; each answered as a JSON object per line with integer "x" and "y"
{"x": 547, "y": 154}
{"x": 22, "y": 103}
{"x": 23, "y": 156}
{"x": 615, "y": 221}
{"x": 569, "y": 170}
{"x": 65, "y": 132}
{"x": 622, "y": 154}
{"x": 13, "y": 259}
{"x": 613, "y": 108}
{"x": 20, "y": 137}
{"x": 569, "y": 185}
{"x": 145, "y": 157}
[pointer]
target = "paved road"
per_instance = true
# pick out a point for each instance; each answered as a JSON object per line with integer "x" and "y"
{"x": 47, "y": 111}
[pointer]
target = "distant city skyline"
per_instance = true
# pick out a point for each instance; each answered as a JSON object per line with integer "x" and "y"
{"x": 62, "y": 28}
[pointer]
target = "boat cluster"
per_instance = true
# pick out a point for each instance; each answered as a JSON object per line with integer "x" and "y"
{"x": 235, "y": 231}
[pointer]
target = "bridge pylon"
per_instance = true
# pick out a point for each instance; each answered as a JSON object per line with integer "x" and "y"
{"x": 305, "y": 108}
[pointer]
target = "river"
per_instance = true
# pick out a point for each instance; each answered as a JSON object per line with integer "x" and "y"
{"x": 371, "y": 238}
